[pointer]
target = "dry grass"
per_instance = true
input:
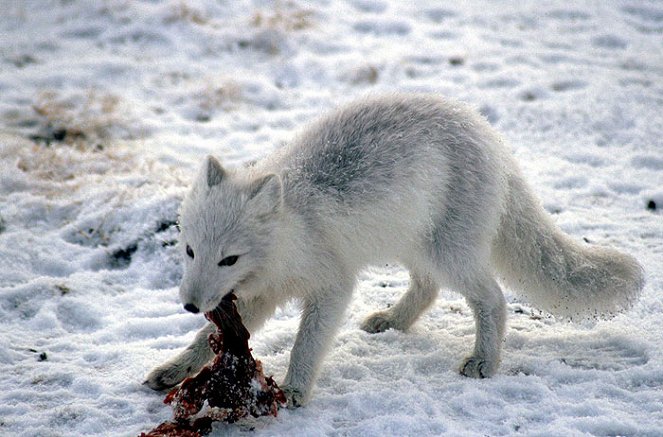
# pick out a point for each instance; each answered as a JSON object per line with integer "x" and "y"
{"x": 214, "y": 97}
{"x": 71, "y": 137}
{"x": 62, "y": 170}
{"x": 285, "y": 16}
{"x": 181, "y": 11}
{"x": 66, "y": 164}
{"x": 86, "y": 121}
{"x": 362, "y": 75}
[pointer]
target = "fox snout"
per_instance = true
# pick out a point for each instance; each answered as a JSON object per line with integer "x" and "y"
{"x": 195, "y": 295}
{"x": 191, "y": 308}
{"x": 195, "y": 300}
{"x": 192, "y": 301}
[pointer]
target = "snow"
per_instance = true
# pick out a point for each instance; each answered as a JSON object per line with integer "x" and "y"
{"x": 107, "y": 109}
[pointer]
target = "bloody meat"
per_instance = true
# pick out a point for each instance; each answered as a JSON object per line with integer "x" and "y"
{"x": 231, "y": 387}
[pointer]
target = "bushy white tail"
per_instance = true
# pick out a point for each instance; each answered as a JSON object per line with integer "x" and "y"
{"x": 556, "y": 274}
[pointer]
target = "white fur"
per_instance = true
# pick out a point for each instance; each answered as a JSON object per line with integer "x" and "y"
{"x": 416, "y": 180}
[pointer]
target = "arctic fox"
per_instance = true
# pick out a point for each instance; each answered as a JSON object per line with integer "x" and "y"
{"x": 412, "y": 179}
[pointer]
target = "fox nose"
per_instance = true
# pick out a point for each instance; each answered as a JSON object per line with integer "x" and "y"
{"x": 191, "y": 308}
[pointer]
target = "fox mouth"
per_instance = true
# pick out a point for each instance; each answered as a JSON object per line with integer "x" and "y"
{"x": 229, "y": 295}
{"x": 223, "y": 304}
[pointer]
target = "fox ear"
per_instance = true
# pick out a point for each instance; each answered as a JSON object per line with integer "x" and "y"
{"x": 214, "y": 171}
{"x": 266, "y": 192}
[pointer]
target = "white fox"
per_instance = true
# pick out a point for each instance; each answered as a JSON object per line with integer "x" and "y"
{"x": 412, "y": 179}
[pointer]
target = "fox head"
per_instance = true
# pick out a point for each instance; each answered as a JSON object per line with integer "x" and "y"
{"x": 227, "y": 221}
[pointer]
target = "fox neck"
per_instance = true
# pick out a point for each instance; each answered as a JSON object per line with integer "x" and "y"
{"x": 281, "y": 261}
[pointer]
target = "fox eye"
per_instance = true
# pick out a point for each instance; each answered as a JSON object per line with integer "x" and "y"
{"x": 228, "y": 261}
{"x": 189, "y": 251}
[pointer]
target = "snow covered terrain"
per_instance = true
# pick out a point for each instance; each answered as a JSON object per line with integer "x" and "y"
{"x": 108, "y": 107}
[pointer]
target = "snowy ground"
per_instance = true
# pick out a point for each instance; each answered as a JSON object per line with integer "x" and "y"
{"x": 107, "y": 108}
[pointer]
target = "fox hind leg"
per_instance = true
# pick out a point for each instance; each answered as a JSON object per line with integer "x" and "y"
{"x": 484, "y": 297}
{"x": 487, "y": 301}
{"x": 420, "y": 295}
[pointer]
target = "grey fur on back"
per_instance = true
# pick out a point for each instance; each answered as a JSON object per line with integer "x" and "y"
{"x": 363, "y": 151}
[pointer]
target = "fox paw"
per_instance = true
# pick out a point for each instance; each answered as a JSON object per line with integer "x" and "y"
{"x": 294, "y": 396}
{"x": 166, "y": 376}
{"x": 378, "y": 322}
{"x": 477, "y": 367}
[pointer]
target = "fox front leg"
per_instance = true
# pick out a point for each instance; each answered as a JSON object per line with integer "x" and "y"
{"x": 321, "y": 316}
{"x": 187, "y": 362}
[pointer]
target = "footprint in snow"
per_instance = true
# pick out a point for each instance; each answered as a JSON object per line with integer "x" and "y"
{"x": 649, "y": 162}
{"x": 568, "y": 85}
{"x": 438, "y": 15}
{"x": 610, "y": 354}
{"x": 383, "y": 27}
{"x": 611, "y": 42}
{"x": 644, "y": 13}
{"x": 567, "y": 15}
{"x": 373, "y": 6}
